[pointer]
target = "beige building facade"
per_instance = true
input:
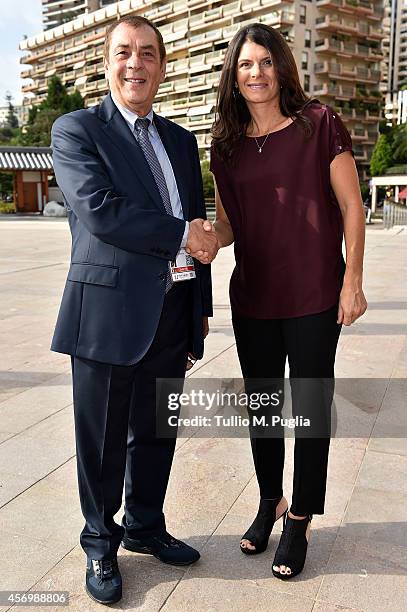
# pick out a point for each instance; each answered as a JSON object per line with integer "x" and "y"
{"x": 394, "y": 68}
{"x": 336, "y": 44}
{"x": 57, "y": 12}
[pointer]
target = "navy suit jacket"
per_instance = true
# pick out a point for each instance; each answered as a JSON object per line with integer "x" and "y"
{"x": 122, "y": 238}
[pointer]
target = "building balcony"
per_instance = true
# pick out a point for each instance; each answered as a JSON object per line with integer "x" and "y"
{"x": 204, "y": 140}
{"x": 349, "y": 73}
{"x": 372, "y": 136}
{"x": 341, "y": 92}
{"x": 358, "y": 133}
{"x": 278, "y": 18}
{"x": 174, "y": 31}
{"x": 375, "y": 33}
{"x": 328, "y": 45}
{"x": 26, "y": 74}
{"x": 30, "y": 87}
{"x": 353, "y": 114}
{"x": 92, "y": 69}
{"x": 357, "y": 7}
{"x": 347, "y": 49}
{"x": 332, "y": 22}
{"x": 372, "y": 116}
{"x": 197, "y": 63}
{"x": 367, "y": 95}
{"x": 230, "y": 10}
{"x": 201, "y": 19}
{"x": 360, "y": 154}
{"x": 375, "y": 55}
{"x": 200, "y": 121}
{"x": 160, "y": 11}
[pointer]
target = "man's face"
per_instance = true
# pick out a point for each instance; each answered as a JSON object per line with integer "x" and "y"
{"x": 133, "y": 68}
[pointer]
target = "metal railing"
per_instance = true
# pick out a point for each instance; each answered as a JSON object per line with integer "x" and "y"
{"x": 394, "y": 214}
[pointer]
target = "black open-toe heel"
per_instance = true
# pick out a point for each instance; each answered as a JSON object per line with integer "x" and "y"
{"x": 292, "y": 548}
{"x": 259, "y": 531}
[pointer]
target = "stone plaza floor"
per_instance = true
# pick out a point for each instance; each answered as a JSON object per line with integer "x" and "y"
{"x": 357, "y": 557}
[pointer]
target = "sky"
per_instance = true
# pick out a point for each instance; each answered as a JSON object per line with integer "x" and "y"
{"x": 17, "y": 18}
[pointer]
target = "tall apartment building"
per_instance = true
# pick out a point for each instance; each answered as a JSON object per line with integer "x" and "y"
{"x": 56, "y": 12}
{"x": 395, "y": 62}
{"x": 336, "y": 44}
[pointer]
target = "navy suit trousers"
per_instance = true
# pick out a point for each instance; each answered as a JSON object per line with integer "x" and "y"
{"x": 116, "y": 441}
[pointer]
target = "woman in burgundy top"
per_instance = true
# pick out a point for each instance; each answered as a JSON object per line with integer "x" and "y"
{"x": 287, "y": 190}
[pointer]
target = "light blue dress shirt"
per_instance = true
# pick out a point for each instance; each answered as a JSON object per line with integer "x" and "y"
{"x": 130, "y": 117}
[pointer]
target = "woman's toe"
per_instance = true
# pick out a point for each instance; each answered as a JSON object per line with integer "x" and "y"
{"x": 276, "y": 568}
{"x": 287, "y": 570}
{"x": 247, "y": 544}
{"x": 282, "y": 569}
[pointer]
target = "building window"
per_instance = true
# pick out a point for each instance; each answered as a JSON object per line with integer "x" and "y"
{"x": 304, "y": 60}
{"x": 306, "y": 82}
{"x": 303, "y": 13}
{"x": 307, "y": 38}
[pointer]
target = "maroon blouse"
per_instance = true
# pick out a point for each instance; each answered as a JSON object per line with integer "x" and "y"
{"x": 285, "y": 218}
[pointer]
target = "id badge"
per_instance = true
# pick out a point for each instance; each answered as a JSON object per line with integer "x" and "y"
{"x": 183, "y": 267}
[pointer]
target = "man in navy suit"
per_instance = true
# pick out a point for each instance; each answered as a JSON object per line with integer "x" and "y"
{"x": 133, "y": 191}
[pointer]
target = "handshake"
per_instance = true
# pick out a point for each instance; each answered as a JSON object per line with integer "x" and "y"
{"x": 202, "y": 243}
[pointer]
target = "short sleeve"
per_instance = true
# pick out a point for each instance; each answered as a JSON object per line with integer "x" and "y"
{"x": 339, "y": 137}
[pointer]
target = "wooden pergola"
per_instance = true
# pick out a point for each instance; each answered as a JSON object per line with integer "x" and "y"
{"x": 30, "y": 167}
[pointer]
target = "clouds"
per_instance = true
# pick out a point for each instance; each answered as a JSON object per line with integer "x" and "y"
{"x": 14, "y": 24}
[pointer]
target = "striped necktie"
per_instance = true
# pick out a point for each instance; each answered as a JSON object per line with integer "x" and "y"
{"x": 141, "y": 133}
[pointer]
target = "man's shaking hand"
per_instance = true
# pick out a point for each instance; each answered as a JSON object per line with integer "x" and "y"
{"x": 202, "y": 243}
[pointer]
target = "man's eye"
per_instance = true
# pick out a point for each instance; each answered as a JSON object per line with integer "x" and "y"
{"x": 121, "y": 53}
{"x": 148, "y": 53}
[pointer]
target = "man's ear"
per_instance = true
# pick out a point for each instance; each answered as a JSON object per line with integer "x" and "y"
{"x": 163, "y": 70}
{"x": 106, "y": 67}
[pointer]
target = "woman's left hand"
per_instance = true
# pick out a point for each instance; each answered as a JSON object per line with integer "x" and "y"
{"x": 352, "y": 304}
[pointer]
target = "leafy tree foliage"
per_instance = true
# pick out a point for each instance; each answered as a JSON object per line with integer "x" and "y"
{"x": 41, "y": 117}
{"x": 12, "y": 119}
{"x": 208, "y": 186}
{"x": 382, "y": 156}
{"x": 400, "y": 144}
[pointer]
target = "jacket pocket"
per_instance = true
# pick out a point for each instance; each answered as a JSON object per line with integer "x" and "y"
{"x": 93, "y": 274}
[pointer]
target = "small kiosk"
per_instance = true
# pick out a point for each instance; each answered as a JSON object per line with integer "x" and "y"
{"x": 30, "y": 167}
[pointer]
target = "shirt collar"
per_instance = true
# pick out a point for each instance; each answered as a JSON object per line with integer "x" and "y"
{"x": 130, "y": 116}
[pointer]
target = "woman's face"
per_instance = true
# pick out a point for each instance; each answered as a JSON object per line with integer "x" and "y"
{"x": 255, "y": 75}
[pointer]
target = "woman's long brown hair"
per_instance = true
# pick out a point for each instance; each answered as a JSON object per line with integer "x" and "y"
{"x": 232, "y": 116}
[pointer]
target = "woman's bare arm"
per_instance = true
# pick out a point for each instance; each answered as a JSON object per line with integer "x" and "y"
{"x": 345, "y": 183}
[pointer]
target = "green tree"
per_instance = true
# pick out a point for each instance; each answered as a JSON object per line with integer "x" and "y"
{"x": 41, "y": 117}
{"x": 12, "y": 119}
{"x": 56, "y": 94}
{"x": 6, "y": 134}
{"x": 382, "y": 157}
{"x": 208, "y": 186}
{"x": 38, "y": 134}
{"x": 399, "y": 145}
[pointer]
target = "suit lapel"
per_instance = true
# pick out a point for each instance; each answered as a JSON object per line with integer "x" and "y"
{"x": 177, "y": 160}
{"x": 120, "y": 135}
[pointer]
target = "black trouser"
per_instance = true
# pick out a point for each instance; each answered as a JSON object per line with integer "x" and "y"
{"x": 115, "y": 425}
{"x": 310, "y": 343}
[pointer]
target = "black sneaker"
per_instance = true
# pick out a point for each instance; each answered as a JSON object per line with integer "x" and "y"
{"x": 164, "y": 547}
{"x": 103, "y": 580}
